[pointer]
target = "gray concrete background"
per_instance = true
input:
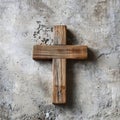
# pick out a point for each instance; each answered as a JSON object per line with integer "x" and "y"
{"x": 26, "y": 85}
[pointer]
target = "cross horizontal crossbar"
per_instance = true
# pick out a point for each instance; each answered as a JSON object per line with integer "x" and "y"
{"x": 60, "y": 52}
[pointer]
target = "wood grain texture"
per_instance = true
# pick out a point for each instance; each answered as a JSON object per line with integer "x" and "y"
{"x": 60, "y": 51}
{"x": 59, "y": 68}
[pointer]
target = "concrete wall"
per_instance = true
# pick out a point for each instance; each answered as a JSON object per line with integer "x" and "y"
{"x": 26, "y": 85}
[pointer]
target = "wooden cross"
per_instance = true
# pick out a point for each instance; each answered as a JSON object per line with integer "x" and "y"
{"x": 59, "y": 52}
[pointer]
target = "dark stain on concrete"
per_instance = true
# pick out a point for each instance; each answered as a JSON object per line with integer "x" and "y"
{"x": 46, "y": 112}
{"x": 5, "y": 111}
{"x": 100, "y": 10}
{"x": 42, "y": 34}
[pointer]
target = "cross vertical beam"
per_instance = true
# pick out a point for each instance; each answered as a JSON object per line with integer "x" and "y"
{"x": 59, "y": 68}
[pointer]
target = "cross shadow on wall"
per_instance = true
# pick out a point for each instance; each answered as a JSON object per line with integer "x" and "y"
{"x": 70, "y": 73}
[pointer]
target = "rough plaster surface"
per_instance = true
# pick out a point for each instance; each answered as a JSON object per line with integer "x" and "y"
{"x": 26, "y": 85}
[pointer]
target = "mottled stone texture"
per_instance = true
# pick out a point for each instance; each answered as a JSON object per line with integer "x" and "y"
{"x": 93, "y": 86}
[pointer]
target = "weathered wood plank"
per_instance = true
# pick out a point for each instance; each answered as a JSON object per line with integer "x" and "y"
{"x": 60, "y": 51}
{"x": 59, "y": 68}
